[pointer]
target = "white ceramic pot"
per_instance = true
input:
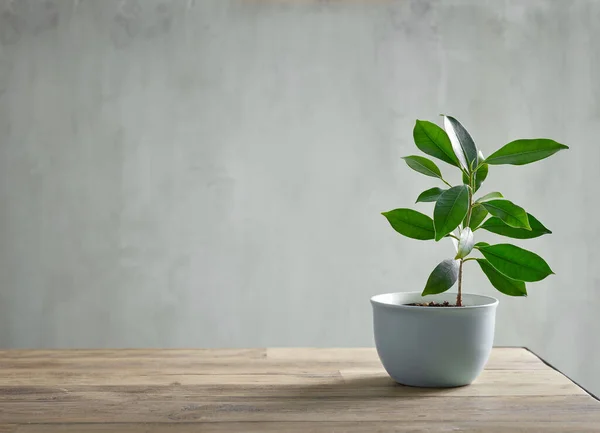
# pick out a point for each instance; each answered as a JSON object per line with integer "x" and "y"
{"x": 434, "y": 347}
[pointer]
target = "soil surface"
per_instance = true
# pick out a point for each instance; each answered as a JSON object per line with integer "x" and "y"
{"x": 432, "y": 304}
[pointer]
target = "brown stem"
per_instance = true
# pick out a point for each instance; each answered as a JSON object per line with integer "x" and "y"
{"x": 459, "y": 295}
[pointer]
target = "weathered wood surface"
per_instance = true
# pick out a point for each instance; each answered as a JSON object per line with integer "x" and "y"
{"x": 276, "y": 390}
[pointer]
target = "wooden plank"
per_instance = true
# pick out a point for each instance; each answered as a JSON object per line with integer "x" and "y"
{"x": 8, "y": 428}
{"x": 502, "y": 358}
{"x": 311, "y": 427}
{"x": 119, "y": 354}
{"x": 279, "y": 361}
{"x": 375, "y": 409}
{"x": 490, "y": 383}
{"x": 67, "y": 379}
{"x": 349, "y": 384}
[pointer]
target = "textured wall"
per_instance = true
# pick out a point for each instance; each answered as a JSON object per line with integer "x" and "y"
{"x": 210, "y": 173}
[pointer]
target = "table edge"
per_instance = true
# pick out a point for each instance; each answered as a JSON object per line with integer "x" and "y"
{"x": 588, "y": 392}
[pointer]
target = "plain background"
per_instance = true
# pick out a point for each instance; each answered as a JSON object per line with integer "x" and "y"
{"x": 211, "y": 173}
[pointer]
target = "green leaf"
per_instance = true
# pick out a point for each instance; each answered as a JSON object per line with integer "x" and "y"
{"x": 462, "y": 143}
{"x": 423, "y": 165}
{"x": 495, "y": 225}
{"x": 478, "y": 214}
{"x": 465, "y": 243}
{"x": 433, "y": 140}
{"x": 520, "y": 152}
{"x": 450, "y": 209}
{"x": 516, "y": 263}
{"x": 481, "y": 244}
{"x": 501, "y": 282}
{"x": 411, "y": 223}
{"x": 442, "y": 278}
{"x": 488, "y": 197}
{"x": 430, "y": 195}
{"x": 510, "y": 213}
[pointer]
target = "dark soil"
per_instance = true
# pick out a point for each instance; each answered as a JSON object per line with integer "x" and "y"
{"x": 432, "y": 304}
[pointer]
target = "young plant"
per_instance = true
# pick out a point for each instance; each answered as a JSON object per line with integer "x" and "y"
{"x": 458, "y": 214}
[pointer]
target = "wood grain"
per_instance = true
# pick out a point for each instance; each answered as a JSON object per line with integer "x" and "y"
{"x": 310, "y": 427}
{"x": 292, "y": 390}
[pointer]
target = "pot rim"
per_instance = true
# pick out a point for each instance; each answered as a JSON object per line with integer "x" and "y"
{"x": 486, "y": 302}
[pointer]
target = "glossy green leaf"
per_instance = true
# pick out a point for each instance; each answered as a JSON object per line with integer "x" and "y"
{"x": 442, "y": 278}
{"x": 462, "y": 143}
{"x": 481, "y": 244}
{"x": 516, "y": 263}
{"x": 411, "y": 223}
{"x": 423, "y": 165}
{"x": 520, "y": 152}
{"x": 430, "y": 195}
{"x": 478, "y": 214}
{"x": 495, "y": 225}
{"x": 510, "y": 213}
{"x": 488, "y": 197}
{"x": 501, "y": 282}
{"x": 450, "y": 209}
{"x": 433, "y": 140}
{"x": 465, "y": 243}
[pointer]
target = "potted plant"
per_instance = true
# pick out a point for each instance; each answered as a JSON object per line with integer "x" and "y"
{"x": 437, "y": 339}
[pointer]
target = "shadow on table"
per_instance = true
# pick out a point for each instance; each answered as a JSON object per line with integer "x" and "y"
{"x": 362, "y": 387}
{"x": 316, "y": 396}
{"x": 328, "y": 395}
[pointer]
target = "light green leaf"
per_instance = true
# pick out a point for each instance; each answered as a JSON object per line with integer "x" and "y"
{"x": 501, "y": 282}
{"x": 433, "y": 140}
{"x": 411, "y": 223}
{"x": 430, "y": 195}
{"x": 510, "y": 213}
{"x": 462, "y": 143}
{"x": 495, "y": 225}
{"x": 516, "y": 263}
{"x": 478, "y": 214}
{"x": 481, "y": 244}
{"x": 423, "y": 165}
{"x": 520, "y": 152}
{"x": 488, "y": 197}
{"x": 450, "y": 209}
{"x": 442, "y": 278}
{"x": 465, "y": 243}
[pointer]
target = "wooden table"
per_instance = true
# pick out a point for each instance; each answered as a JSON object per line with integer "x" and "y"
{"x": 276, "y": 390}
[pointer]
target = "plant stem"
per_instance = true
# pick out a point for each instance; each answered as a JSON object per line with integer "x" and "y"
{"x": 444, "y": 180}
{"x": 459, "y": 295}
{"x": 468, "y": 221}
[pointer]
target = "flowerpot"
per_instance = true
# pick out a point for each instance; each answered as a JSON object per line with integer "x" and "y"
{"x": 436, "y": 347}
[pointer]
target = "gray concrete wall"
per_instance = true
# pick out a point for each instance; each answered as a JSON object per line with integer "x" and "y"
{"x": 210, "y": 173}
